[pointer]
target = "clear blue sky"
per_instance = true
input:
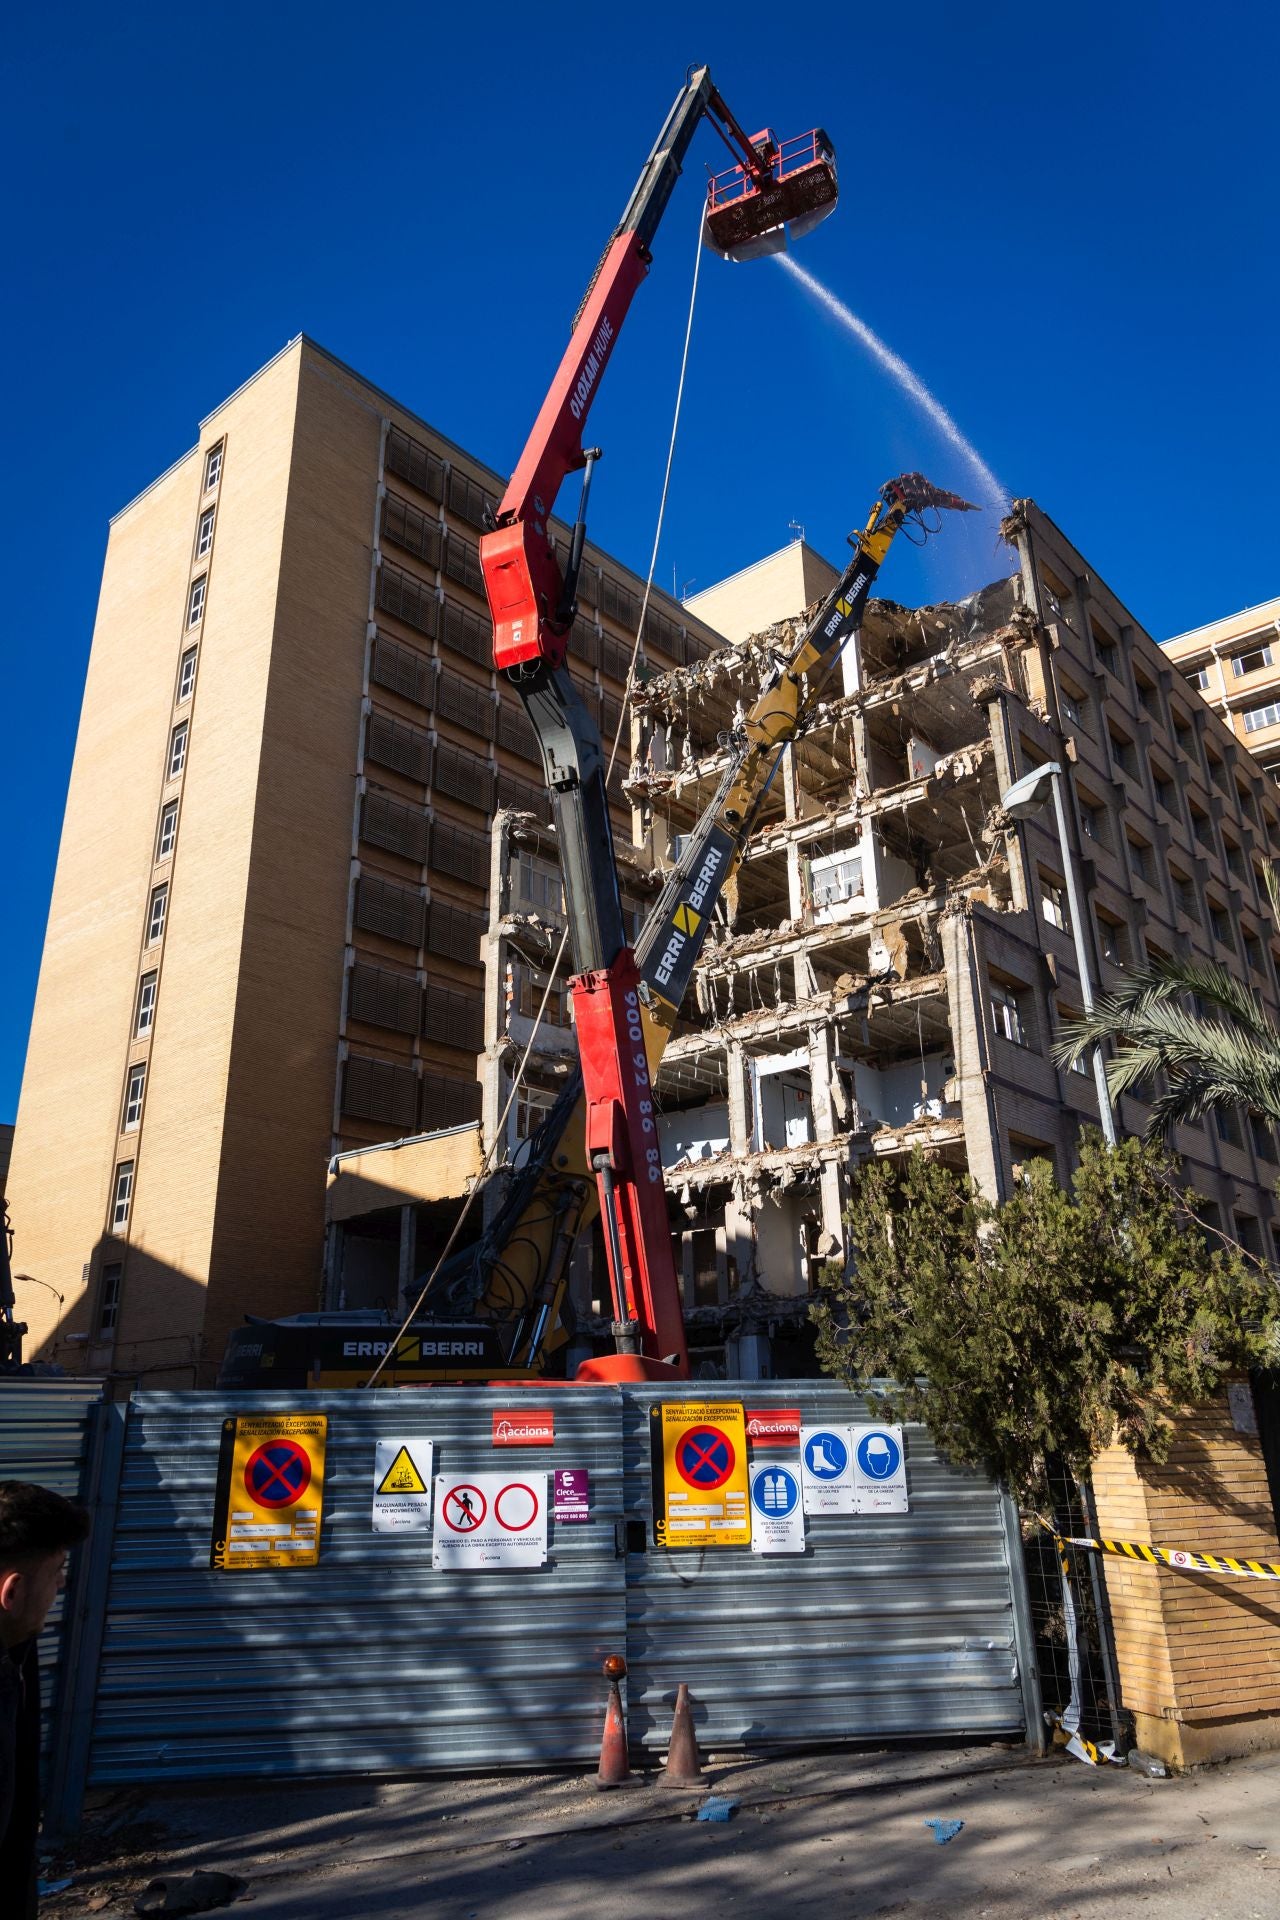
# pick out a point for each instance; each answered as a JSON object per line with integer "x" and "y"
{"x": 1065, "y": 219}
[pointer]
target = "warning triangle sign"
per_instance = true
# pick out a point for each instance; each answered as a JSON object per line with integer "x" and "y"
{"x": 402, "y": 1476}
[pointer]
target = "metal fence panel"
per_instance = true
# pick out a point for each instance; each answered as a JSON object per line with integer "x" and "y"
{"x": 372, "y": 1660}
{"x": 45, "y": 1432}
{"x": 886, "y": 1626}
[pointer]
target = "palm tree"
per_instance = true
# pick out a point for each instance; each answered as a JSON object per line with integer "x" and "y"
{"x": 1186, "y": 1061}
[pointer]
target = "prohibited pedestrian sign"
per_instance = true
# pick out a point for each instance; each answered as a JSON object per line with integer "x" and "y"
{"x": 270, "y": 1492}
{"x": 401, "y": 1485}
{"x": 700, "y": 1475}
{"x": 490, "y": 1520}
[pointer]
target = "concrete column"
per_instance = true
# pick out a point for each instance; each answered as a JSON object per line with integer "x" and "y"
{"x": 738, "y": 1077}
{"x": 739, "y": 1247}
{"x": 822, "y": 1074}
{"x": 408, "y": 1266}
{"x": 969, "y": 1040}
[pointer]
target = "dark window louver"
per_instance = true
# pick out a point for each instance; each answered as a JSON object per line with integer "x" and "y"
{"x": 384, "y": 998}
{"x": 388, "y": 823}
{"x": 408, "y": 598}
{"x": 397, "y": 912}
{"x": 415, "y": 462}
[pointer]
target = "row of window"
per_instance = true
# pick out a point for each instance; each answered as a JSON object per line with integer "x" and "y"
{"x": 158, "y": 901}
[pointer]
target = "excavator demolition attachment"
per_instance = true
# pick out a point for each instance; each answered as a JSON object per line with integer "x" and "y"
{"x": 748, "y": 215}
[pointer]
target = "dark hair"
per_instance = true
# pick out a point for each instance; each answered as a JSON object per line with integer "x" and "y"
{"x": 34, "y": 1520}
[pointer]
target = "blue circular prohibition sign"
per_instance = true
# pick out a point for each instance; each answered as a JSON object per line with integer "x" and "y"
{"x": 826, "y": 1455}
{"x": 775, "y": 1492}
{"x": 879, "y": 1455}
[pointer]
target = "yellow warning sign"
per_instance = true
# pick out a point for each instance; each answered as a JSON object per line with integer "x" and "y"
{"x": 270, "y": 1491}
{"x": 700, "y": 1477}
{"x": 402, "y": 1476}
{"x": 402, "y": 1484}
{"x": 685, "y": 920}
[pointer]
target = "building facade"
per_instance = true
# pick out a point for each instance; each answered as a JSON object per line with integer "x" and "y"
{"x": 1234, "y": 663}
{"x": 265, "y": 940}
{"x": 894, "y": 961}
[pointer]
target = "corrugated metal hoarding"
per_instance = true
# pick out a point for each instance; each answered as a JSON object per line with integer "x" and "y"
{"x": 887, "y": 1625}
{"x": 372, "y": 1659}
{"x": 376, "y": 1660}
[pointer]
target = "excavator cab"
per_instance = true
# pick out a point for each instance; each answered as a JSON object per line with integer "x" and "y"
{"x": 749, "y": 215}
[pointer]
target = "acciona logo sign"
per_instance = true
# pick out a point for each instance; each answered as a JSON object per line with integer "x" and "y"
{"x": 780, "y": 1426}
{"x": 527, "y": 1427}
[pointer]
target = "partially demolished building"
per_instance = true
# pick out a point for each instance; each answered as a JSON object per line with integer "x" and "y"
{"x": 894, "y": 959}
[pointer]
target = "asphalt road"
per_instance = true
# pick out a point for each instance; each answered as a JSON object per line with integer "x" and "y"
{"x": 1056, "y": 1838}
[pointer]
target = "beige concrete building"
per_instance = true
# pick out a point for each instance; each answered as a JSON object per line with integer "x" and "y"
{"x": 778, "y": 587}
{"x": 264, "y": 945}
{"x": 894, "y": 961}
{"x": 1235, "y": 664}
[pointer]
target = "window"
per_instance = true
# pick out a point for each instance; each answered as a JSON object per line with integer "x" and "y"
{"x": 146, "y": 1014}
{"x": 213, "y": 466}
{"x": 1148, "y": 698}
{"x": 109, "y": 1298}
{"x": 1227, "y": 1122}
{"x": 1006, "y": 1012}
{"x": 1163, "y": 785}
{"x": 1264, "y": 1140}
{"x": 133, "y": 1086}
{"x": 168, "y": 831}
{"x": 187, "y": 675}
{"x": 533, "y": 1104}
{"x": 1126, "y": 754}
{"x": 836, "y": 879}
{"x": 1053, "y": 902}
{"x": 1067, "y": 1016}
{"x": 536, "y": 887}
{"x": 530, "y": 985}
{"x": 1235, "y": 857}
{"x": 1201, "y": 826}
{"x": 178, "y": 750}
{"x": 1142, "y": 859}
{"x": 195, "y": 605}
{"x": 1242, "y": 663}
{"x": 1184, "y": 894}
{"x": 1111, "y": 938}
{"x": 1220, "y": 924}
{"x": 1198, "y": 678}
{"x": 156, "y": 917}
{"x": 122, "y": 1196}
{"x": 204, "y": 533}
{"x": 1259, "y": 717}
{"x": 1253, "y": 953}
{"x": 1071, "y": 706}
{"x": 1249, "y": 1234}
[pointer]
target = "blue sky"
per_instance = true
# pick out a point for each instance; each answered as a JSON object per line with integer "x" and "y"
{"x": 1063, "y": 218}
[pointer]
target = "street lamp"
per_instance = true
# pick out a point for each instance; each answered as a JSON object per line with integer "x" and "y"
{"x": 1020, "y": 801}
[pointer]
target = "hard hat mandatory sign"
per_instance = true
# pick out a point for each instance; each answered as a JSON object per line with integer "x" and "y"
{"x": 402, "y": 1485}
{"x": 486, "y": 1520}
{"x": 270, "y": 1490}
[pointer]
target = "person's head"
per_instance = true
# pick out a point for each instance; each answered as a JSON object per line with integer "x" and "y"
{"x": 37, "y": 1531}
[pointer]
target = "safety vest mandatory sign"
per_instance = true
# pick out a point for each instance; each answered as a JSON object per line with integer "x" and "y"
{"x": 700, "y": 1492}
{"x": 489, "y": 1520}
{"x": 270, "y": 1492}
{"x": 402, "y": 1485}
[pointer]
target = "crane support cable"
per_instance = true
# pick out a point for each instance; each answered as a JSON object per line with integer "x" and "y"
{"x": 662, "y": 503}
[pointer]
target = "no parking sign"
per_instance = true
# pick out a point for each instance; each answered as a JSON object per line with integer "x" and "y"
{"x": 699, "y": 1455}
{"x": 270, "y": 1492}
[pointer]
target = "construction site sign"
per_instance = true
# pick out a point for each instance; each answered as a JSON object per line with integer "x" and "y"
{"x": 879, "y": 1470}
{"x": 490, "y": 1520}
{"x": 826, "y": 1462}
{"x": 401, "y": 1485}
{"x": 269, "y": 1497}
{"x": 700, "y": 1488}
{"x": 777, "y": 1511}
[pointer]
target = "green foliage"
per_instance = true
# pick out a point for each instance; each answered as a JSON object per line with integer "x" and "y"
{"x": 1044, "y": 1328}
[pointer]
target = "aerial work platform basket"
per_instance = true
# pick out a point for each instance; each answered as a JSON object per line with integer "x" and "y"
{"x": 747, "y": 216}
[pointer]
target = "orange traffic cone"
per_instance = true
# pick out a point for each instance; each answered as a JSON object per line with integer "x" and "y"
{"x": 684, "y": 1763}
{"x": 614, "y": 1770}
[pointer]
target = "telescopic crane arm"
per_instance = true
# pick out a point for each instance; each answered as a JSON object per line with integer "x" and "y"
{"x": 533, "y": 606}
